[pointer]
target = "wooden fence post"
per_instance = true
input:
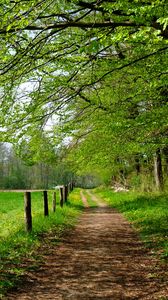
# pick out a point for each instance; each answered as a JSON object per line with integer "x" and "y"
{"x": 27, "y": 207}
{"x": 65, "y": 193}
{"x": 69, "y": 188}
{"x": 54, "y": 201}
{"x": 61, "y": 196}
{"x": 45, "y": 203}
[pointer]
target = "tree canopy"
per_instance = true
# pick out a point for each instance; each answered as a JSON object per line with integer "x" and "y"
{"x": 94, "y": 71}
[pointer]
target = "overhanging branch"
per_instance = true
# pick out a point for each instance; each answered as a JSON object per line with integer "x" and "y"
{"x": 64, "y": 25}
{"x": 85, "y": 25}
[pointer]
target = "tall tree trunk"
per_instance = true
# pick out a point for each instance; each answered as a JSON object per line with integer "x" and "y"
{"x": 158, "y": 170}
{"x": 165, "y": 153}
{"x": 137, "y": 164}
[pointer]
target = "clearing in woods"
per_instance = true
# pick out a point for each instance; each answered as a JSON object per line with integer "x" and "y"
{"x": 102, "y": 258}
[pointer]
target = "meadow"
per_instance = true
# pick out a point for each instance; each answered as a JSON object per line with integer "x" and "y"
{"x": 15, "y": 244}
{"x": 148, "y": 214}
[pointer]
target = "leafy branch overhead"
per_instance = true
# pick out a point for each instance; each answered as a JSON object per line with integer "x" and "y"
{"x": 110, "y": 16}
{"x": 85, "y": 67}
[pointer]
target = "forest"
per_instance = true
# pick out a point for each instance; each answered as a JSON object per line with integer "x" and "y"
{"x": 15, "y": 174}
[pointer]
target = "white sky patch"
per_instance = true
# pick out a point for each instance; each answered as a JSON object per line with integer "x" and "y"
{"x": 24, "y": 89}
{"x": 51, "y": 122}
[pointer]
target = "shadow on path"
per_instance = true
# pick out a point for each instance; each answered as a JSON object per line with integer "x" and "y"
{"x": 101, "y": 259}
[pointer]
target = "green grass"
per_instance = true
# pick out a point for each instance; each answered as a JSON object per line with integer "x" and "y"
{"x": 92, "y": 204}
{"x": 16, "y": 245}
{"x": 148, "y": 213}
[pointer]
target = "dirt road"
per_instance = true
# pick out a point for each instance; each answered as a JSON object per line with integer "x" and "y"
{"x": 101, "y": 259}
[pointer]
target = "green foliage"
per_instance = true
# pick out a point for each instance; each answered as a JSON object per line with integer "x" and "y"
{"x": 148, "y": 213}
{"x": 35, "y": 148}
{"x": 16, "y": 246}
{"x": 25, "y": 171}
{"x": 15, "y": 181}
{"x": 90, "y": 73}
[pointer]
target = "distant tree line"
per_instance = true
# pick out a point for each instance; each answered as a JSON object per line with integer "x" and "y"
{"x": 14, "y": 173}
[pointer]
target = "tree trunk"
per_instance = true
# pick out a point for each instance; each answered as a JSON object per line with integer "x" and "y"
{"x": 137, "y": 164}
{"x": 158, "y": 170}
{"x": 165, "y": 153}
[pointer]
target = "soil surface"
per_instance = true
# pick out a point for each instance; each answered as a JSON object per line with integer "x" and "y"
{"x": 102, "y": 258}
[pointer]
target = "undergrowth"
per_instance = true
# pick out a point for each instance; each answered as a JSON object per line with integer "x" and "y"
{"x": 148, "y": 213}
{"x": 17, "y": 246}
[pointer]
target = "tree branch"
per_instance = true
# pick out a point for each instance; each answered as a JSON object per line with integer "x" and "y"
{"x": 85, "y": 25}
{"x": 72, "y": 24}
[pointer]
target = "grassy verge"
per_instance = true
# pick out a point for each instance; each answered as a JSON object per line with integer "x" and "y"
{"x": 16, "y": 246}
{"x": 92, "y": 204}
{"x": 147, "y": 212}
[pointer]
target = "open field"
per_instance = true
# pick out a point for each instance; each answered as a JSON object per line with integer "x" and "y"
{"x": 148, "y": 213}
{"x": 15, "y": 243}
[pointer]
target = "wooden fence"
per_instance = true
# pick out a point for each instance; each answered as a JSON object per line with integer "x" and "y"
{"x": 64, "y": 192}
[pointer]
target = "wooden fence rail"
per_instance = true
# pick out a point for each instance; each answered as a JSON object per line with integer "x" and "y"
{"x": 64, "y": 191}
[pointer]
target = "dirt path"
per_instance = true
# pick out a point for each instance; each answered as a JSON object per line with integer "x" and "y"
{"x": 94, "y": 198}
{"x": 84, "y": 200}
{"x": 101, "y": 259}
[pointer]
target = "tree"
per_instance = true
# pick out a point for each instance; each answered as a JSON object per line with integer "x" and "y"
{"x": 18, "y": 173}
{"x": 3, "y": 157}
{"x": 81, "y": 61}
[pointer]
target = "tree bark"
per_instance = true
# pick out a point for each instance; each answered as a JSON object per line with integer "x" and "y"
{"x": 165, "y": 153}
{"x": 158, "y": 170}
{"x": 137, "y": 164}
